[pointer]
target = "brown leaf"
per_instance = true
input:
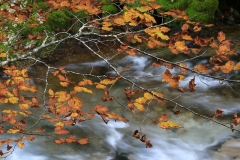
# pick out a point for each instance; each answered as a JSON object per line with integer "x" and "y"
{"x": 136, "y": 134}
{"x": 143, "y": 138}
{"x": 192, "y": 85}
{"x": 177, "y": 112}
{"x": 181, "y": 89}
{"x": 218, "y": 113}
{"x": 9, "y": 147}
{"x": 148, "y": 144}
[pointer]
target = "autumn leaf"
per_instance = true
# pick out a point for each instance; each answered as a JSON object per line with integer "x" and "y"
{"x": 221, "y": 36}
{"x": 83, "y": 141}
{"x": 218, "y": 113}
{"x": 13, "y": 100}
{"x": 80, "y": 89}
{"x": 201, "y": 68}
{"x": 237, "y": 66}
{"x": 119, "y": 21}
{"x": 3, "y": 55}
{"x": 148, "y": 96}
{"x": 144, "y": 8}
{"x": 131, "y": 52}
{"x": 24, "y": 106}
{"x": 20, "y": 144}
{"x": 168, "y": 124}
{"x": 109, "y": 80}
{"x": 60, "y": 141}
{"x": 136, "y": 134}
{"x": 192, "y": 85}
{"x": 71, "y": 139}
{"x": 13, "y": 131}
{"x": 228, "y": 67}
{"x": 185, "y": 27}
{"x": 139, "y": 106}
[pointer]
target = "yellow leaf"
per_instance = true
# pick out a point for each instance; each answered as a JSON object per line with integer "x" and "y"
{"x": 237, "y": 66}
{"x": 73, "y": 115}
{"x": 119, "y": 21}
{"x": 23, "y": 106}
{"x": 59, "y": 124}
{"x": 107, "y": 28}
{"x": 20, "y": 144}
{"x": 107, "y": 81}
{"x": 187, "y": 37}
{"x": 149, "y": 18}
{"x": 50, "y": 92}
{"x": 64, "y": 84}
{"x": 13, "y": 100}
{"x": 139, "y": 106}
{"x": 10, "y": 112}
{"x": 80, "y": 89}
{"x": 141, "y": 100}
{"x": 162, "y": 36}
{"x": 168, "y": 124}
{"x": 148, "y": 96}
{"x": 23, "y": 114}
{"x": 144, "y": 8}
{"x": 136, "y": 37}
{"x": 13, "y": 131}
{"x": 3, "y": 55}
{"x": 100, "y": 86}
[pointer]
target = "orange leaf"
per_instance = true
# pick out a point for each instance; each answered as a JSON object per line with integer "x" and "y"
{"x": 228, "y": 67}
{"x": 65, "y": 4}
{"x": 83, "y": 141}
{"x": 185, "y": 27}
{"x": 139, "y": 106}
{"x": 164, "y": 117}
{"x": 71, "y": 139}
{"x": 131, "y": 52}
{"x": 221, "y": 36}
{"x": 20, "y": 144}
{"x": 59, "y": 141}
{"x": 201, "y": 68}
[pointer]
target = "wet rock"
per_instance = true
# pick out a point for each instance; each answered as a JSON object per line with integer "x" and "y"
{"x": 228, "y": 150}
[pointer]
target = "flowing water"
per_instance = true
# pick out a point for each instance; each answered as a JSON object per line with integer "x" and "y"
{"x": 198, "y": 140}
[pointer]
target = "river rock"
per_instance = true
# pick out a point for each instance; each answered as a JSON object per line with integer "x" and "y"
{"x": 228, "y": 150}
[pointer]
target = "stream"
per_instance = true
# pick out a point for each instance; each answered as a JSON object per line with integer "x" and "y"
{"x": 199, "y": 139}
